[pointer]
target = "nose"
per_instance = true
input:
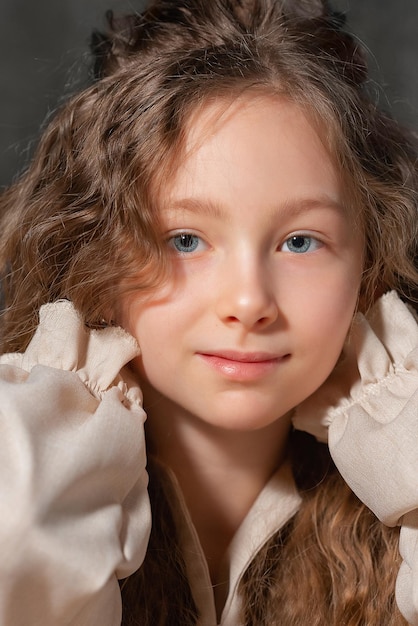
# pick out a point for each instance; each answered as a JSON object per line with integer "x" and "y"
{"x": 247, "y": 294}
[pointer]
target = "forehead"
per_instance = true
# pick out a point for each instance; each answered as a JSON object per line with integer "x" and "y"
{"x": 252, "y": 139}
{"x": 218, "y": 114}
{"x": 226, "y": 113}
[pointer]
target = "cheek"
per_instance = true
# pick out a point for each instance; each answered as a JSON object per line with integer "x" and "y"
{"x": 157, "y": 328}
{"x": 151, "y": 331}
{"x": 326, "y": 313}
{"x": 154, "y": 359}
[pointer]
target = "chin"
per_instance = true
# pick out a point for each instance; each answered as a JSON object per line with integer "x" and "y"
{"x": 246, "y": 423}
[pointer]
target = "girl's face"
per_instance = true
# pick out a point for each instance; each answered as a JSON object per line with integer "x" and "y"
{"x": 266, "y": 271}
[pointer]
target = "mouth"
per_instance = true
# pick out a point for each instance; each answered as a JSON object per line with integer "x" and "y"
{"x": 243, "y": 357}
{"x": 243, "y": 366}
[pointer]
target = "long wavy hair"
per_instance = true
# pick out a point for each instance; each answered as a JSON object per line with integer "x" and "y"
{"x": 82, "y": 223}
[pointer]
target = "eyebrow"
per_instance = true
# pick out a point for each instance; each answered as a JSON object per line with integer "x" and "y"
{"x": 195, "y": 205}
{"x": 288, "y": 208}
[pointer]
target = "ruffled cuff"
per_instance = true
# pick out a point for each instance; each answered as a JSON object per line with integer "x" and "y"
{"x": 62, "y": 341}
{"x": 368, "y": 408}
{"x": 75, "y": 508}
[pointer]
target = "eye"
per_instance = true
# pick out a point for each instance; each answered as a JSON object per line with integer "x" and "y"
{"x": 300, "y": 244}
{"x": 185, "y": 242}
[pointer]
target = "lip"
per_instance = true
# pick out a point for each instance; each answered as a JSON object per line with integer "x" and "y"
{"x": 243, "y": 357}
{"x": 242, "y": 366}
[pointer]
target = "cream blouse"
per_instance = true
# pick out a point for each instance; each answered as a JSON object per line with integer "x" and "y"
{"x": 73, "y": 485}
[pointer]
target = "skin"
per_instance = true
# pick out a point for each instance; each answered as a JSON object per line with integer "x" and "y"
{"x": 266, "y": 268}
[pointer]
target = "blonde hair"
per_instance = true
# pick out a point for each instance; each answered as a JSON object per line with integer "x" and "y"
{"x": 82, "y": 223}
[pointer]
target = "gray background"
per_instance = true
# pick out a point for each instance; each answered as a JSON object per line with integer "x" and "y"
{"x": 44, "y": 54}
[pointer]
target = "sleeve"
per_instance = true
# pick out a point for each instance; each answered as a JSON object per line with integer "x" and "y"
{"x": 73, "y": 485}
{"x": 368, "y": 411}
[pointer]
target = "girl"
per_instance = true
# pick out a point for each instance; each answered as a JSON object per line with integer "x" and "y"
{"x": 228, "y": 195}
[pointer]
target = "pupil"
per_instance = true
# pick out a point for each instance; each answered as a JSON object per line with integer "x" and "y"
{"x": 186, "y": 241}
{"x": 298, "y": 242}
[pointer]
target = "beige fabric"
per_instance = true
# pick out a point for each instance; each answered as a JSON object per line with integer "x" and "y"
{"x": 73, "y": 486}
{"x": 369, "y": 407}
{"x": 276, "y": 504}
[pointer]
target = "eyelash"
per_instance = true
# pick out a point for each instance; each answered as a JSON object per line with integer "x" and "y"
{"x": 186, "y": 243}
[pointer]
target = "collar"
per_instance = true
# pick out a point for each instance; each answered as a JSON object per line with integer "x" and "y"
{"x": 274, "y": 507}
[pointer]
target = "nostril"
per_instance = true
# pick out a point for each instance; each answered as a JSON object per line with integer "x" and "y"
{"x": 248, "y": 303}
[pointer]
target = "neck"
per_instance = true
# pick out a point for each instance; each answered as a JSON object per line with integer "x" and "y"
{"x": 220, "y": 472}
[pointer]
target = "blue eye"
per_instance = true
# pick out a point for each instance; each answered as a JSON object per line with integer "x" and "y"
{"x": 300, "y": 244}
{"x": 185, "y": 242}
